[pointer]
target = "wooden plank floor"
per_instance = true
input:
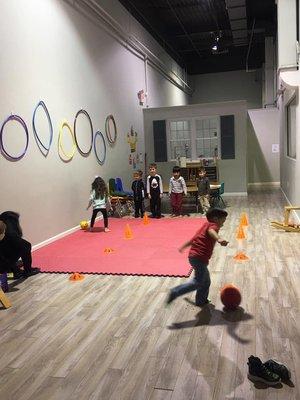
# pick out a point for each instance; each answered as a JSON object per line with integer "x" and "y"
{"x": 111, "y": 337}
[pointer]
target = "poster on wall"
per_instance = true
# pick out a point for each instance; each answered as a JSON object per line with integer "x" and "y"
{"x": 132, "y": 140}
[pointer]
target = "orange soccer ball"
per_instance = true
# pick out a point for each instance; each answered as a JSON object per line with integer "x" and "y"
{"x": 230, "y": 296}
{"x": 84, "y": 225}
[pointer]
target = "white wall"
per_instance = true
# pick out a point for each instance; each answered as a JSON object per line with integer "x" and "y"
{"x": 55, "y": 54}
{"x": 228, "y": 86}
{"x": 263, "y": 132}
{"x": 290, "y": 82}
{"x": 289, "y": 167}
{"x": 232, "y": 172}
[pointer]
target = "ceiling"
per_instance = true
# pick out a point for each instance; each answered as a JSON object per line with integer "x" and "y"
{"x": 188, "y": 29}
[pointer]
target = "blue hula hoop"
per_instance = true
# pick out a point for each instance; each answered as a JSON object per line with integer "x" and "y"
{"x": 43, "y": 105}
{"x": 100, "y": 161}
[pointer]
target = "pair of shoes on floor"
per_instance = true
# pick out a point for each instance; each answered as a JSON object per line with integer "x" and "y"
{"x": 106, "y": 230}
{"x": 270, "y": 372}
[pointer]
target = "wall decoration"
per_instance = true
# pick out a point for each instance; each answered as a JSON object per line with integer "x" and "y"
{"x": 63, "y": 155}
{"x": 110, "y": 120}
{"x": 44, "y": 149}
{"x": 83, "y": 153}
{"x": 133, "y": 162}
{"x": 100, "y": 160}
{"x": 130, "y": 159}
{"x": 132, "y": 139}
{"x": 18, "y": 119}
{"x": 141, "y": 96}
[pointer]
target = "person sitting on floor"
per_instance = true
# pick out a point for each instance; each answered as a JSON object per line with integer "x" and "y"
{"x": 11, "y": 220}
{"x": 12, "y": 248}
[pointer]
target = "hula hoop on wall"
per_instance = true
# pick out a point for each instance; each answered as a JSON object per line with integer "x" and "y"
{"x": 18, "y": 119}
{"x": 83, "y": 153}
{"x": 100, "y": 134}
{"x": 70, "y": 155}
{"x": 107, "y": 129}
{"x": 40, "y": 143}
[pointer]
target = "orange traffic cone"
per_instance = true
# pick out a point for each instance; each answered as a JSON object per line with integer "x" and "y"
{"x": 128, "y": 232}
{"x": 241, "y": 257}
{"x": 244, "y": 219}
{"x": 240, "y": 232}
{"x": 240, "y": 235}
{"x": 108, "y": 250}
{"x": 76, "y": 277}
{"x": 146, "y": 219}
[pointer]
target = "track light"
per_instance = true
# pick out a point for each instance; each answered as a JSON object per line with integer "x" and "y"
{"x": 215, "y": 45}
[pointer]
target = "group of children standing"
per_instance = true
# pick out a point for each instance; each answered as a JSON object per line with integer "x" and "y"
{"x": 99, "y": 197}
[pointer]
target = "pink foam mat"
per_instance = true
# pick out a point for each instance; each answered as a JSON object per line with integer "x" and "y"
{"x": 153, "y": 250}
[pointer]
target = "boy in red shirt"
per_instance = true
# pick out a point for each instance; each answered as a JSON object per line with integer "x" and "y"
{"x": 202, "y": 245}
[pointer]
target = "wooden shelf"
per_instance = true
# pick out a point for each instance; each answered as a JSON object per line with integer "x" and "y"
{"x": 190, "y": 174}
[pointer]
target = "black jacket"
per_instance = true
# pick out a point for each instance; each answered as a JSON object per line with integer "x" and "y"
{"x": 138, "y": 189}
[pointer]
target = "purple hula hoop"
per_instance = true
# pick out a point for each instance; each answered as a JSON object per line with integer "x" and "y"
{"x": 17, "y": 118}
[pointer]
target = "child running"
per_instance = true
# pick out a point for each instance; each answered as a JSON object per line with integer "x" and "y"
{"x": 201, "y": 249}
{"x": 99, "y": 198}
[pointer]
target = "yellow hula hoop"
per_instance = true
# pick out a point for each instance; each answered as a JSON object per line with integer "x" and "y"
{"x": 70, "y": 155}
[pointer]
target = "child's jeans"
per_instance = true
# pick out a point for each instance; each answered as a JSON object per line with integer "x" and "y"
{"x": 200, "y": 282}
{"x": 139, "y": 207}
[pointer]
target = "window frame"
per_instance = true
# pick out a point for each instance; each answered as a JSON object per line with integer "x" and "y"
{"x": 192, "y": 121}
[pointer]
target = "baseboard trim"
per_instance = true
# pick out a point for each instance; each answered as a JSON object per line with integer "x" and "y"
{"x": 263, "y": 185}
{"x": 226, "y": 194}
{"x": 59, "y": 236}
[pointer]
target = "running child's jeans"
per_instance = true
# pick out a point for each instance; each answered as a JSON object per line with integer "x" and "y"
{"x": 200, "y": 282}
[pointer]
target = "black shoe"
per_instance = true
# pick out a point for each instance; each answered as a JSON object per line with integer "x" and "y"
{"x": 18, "y": 274}
{"x": 207, "y": 301}
{"x": 259, "y": 373}
{"x": 170, "y": 298}
{"x": 279, "y": 369}
{"x": 32, "y": 271}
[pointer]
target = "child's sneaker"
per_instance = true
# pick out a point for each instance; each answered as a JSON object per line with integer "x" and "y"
{"x": 279, "y": 369}
{"x": 205, "y": 303}
{"x": 258, "y": 372}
